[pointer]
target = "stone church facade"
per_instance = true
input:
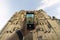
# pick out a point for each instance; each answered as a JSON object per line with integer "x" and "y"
{"x": 47, "y": 28}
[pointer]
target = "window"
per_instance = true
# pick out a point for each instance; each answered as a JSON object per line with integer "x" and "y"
{"x": 30, "y": 21}
{"x": 30, "y": 18}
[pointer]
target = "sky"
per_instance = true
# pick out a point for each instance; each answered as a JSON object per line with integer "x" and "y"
{"x": 9, "y": 7}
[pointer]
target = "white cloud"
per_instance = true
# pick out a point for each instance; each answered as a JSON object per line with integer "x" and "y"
{"x": 58, "y": 9}
{"x": 3, "y": 13}
{"x": 58, "y": 12}
{"x": 47, "y": 3}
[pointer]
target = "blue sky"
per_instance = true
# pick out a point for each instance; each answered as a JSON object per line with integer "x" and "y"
{"x": 9, "y": 7}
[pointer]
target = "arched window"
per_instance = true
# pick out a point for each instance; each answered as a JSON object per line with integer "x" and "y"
{"x": 29, "y": 18}
{"x": 30, "y": 21}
